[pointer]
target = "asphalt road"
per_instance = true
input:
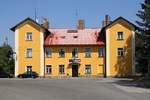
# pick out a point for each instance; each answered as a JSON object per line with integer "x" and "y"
{"x": 67, "y": 89}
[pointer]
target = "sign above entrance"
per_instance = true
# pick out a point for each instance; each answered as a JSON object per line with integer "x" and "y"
{"x": 74, "y": 60}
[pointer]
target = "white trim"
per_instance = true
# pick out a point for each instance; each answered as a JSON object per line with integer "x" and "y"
{"x": 61, "y": 48}
{"x": 26, "y": 54}
{"x": 117, "y": 52}
{"x": 117, "y": 38}
{"x": 133, "y": 53}
{"x": 16, "y": 51}
{"x": 107, "y": 53}
{"x": 41, "y": 53}
{"x": 50, "y": 51}
{"x": 77, "y": 52}
{"x": 46, "y": 69}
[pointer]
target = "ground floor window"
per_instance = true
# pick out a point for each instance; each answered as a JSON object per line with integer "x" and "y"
{"x": 48, "y": 69}
{"x": 87, "y": 69}
{"x": 61, "y": 69}
{"x": 29, "y": 69}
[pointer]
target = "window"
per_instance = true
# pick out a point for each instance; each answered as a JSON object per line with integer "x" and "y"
{"x": 29, "y": 36}
{"x": 87, "y": 69}
{"x": 61, "y": 52}
{"x": 61, "y": 69}
{"x": 48, "y": 69}
{"x": 48, "y": 52}
{"x": 29, "y": 52}
{"x": 87, "y": 52}
{"x": 120, "y": 51}
{"x": 100, "y": 52}
{"x": 74, "y": 52}
{"x": 29, "y": 69}
{"x": 120, "y": 35}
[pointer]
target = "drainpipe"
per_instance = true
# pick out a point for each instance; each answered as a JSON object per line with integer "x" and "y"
{"x": 44, "y": 61}
{"x": 105, "y": 68}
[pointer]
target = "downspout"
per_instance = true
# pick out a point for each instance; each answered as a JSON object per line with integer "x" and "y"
{"x": 105, "y": 68}
{"x": 44, "y": 61}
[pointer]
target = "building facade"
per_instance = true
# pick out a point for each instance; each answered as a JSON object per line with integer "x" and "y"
{"x": 81, "y": 52}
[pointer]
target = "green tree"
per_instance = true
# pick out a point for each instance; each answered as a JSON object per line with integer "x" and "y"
{"x": 143, "y": 47}
{"x": 6, "y": 59}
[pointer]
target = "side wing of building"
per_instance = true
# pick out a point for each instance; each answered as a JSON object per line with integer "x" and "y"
{"x": 120, "y": 48}
{"x": 29, "y": 47}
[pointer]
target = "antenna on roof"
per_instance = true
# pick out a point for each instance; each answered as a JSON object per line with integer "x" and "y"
{"x": 35, "y": 15}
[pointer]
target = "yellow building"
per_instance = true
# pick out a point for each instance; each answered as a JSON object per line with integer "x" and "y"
{"x": 82, "y": 52}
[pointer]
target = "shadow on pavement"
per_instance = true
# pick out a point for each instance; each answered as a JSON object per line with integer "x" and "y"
{"x": 133, "y": 83}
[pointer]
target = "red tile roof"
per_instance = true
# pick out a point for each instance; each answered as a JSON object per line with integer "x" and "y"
{"x": 73, "y": 37}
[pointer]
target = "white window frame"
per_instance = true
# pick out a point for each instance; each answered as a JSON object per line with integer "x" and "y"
{"x": 87, "y": 54}
{"x": 119, "y": 54}
{"x": 89, "y": 71}
{"x": 62, "y": 70}
{"x": 59, "y": 52}
{"x": 102, "y": 53}
{"x": 120, "y": 37}
{"x": 48, "y": 55}
{"x": 29, "y": 67}
{"x": 48, "y": 69}
{"x": 28, "y": 55}
{"x": 29, "y": 36}
{"x": 76, "y": 56}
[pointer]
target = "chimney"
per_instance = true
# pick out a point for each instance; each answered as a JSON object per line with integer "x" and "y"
{"x": 45, "y": 23}
{"x": 81, "y": 24}
{"x": 106, "y": 21}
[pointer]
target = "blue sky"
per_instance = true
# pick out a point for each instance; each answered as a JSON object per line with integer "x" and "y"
{"x": 62, "y": 13}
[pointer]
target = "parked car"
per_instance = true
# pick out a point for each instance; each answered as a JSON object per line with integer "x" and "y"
{"x": 28, "y": 75}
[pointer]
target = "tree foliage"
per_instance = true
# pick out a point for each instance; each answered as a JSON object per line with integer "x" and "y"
{"x": 6, "y": 59}
{"x": 143, "y": 36}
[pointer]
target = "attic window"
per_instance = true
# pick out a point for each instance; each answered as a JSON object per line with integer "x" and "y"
{"x": 72, "y": 31}
{"x": 75, "y": 36}
{"x": 63, "y": 37}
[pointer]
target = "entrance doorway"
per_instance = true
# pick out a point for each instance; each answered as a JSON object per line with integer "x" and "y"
{"x": 75, "y": 70}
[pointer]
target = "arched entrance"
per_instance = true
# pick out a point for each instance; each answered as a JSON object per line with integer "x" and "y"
{"x": 75, "y": 70}
{"x": 75, "y": 63}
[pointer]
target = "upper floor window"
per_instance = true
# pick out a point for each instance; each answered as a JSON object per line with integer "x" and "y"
{"x": 87, "y": 69}
{"x": 100, "y": 52}
{"x": 120, "y": 51}
{"x": 29, "y": 52}
{"x": 74, "y": 52}
{"x": 120, "y": 35}
{"x": 29, "y": 36}
{"x": 61, "y": 69}
{"x": 61, "y": 52}
{"x": 48, "y": 69}
{"x": 48, "y": 52}
{"x": 87, "y": 52}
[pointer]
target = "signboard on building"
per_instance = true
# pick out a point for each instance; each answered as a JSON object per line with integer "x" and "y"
{"x": 74, "y": 60}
